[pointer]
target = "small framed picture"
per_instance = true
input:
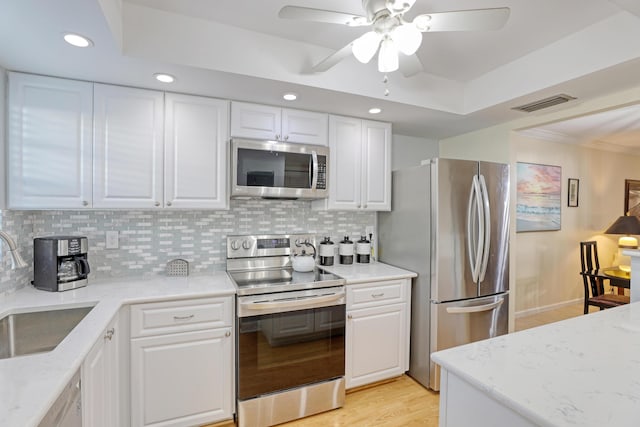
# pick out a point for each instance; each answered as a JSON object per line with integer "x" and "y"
{"x": 573, "y": 193}
{"x": 631, "y": 197}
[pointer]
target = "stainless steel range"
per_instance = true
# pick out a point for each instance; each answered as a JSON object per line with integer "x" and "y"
{"x": 290, "y": 331}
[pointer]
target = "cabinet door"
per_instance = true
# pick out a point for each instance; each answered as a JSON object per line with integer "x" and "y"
{"x": 100, "y": 381}
{"x": 50, "y": 142}
{"x": 376, "y": 166}
{"x": 182, "y": 379}
{"x": 305, "y": 127}
{"x": 375, "y": 344}
{"x": 196, "y": 134}
{"x": 255, "y": 121}
{"x": 345, "y": 175}
{"x": 128, "y": 147}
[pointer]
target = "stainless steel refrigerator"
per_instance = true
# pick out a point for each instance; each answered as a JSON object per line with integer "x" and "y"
{"x": 450, "y": 224}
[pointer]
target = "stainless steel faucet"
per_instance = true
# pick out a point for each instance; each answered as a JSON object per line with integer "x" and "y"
{"x": 16, "y": 259}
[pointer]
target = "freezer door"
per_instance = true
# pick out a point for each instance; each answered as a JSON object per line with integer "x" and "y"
{"x": 451, "y": 194}
{"x": 463, "y": 322}
{"x": 494, "y": 268}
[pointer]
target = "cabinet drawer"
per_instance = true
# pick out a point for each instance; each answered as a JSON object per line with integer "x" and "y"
{"x": 178, "y": 316}
{"x": 376, "y": 293}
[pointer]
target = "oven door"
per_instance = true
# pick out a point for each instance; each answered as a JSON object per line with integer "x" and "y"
{"x": 289, "y": 340}
{"x": 274, "y": 169}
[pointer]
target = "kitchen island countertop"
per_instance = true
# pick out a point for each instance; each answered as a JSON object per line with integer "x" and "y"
{"x": 30, "y": 384}
{"x": 583, "y": 371}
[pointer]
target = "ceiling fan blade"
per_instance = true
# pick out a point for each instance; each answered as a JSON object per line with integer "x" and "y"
{"x": 463, "y": 20}
{"x": 332, "y": 59}
{"x": 410, "y": 65}
{"x": 321, "y": 15}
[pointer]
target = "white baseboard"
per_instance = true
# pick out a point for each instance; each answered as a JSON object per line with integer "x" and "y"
{"x": 536, "y": 310}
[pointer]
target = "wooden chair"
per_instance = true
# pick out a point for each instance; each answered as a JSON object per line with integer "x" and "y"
{"x": 594, "y": 286}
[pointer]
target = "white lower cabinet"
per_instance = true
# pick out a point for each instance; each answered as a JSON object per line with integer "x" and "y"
{"x": 101, "y": 380}
{"x": 182, "y": 378}
{"x": 377, "y": 332}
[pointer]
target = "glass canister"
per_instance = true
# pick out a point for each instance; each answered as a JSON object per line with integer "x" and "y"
{"x": 363, "y": 250}
{"x": 326, "y": 251}
{"x": 346, "y": 251}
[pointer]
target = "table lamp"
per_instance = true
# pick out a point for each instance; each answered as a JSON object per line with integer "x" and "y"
{"x": 627, "y": 225}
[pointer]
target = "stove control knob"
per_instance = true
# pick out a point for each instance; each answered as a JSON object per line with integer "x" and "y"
{"x": 246, "y": 245}
{"x": 235, "y": 245}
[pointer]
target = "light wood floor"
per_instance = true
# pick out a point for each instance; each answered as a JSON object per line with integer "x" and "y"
{"x": 402, "y": 401}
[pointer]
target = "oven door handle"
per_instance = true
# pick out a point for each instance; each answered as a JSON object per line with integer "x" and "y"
{"x": 306, "y": 302}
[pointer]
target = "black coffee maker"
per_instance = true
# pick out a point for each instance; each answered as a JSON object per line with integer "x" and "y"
{"x": 60, "y": 263}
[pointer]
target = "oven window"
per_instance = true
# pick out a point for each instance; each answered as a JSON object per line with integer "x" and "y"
{"x": 285, "y": 350}
{"x": 264, "y": 168}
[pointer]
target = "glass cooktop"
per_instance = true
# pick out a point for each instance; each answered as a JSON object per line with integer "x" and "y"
{"x": 282, "y": 280}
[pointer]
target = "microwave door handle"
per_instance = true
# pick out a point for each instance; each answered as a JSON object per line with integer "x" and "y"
{"x": 314, "y": 174}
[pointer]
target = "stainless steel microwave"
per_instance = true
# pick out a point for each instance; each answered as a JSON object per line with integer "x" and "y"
{"x": 278, "y": 170}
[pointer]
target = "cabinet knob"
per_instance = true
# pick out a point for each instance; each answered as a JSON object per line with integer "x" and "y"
{"x": 227, "y": 334}
{"x": 156, "y": 204}
{"x": 85, "y": 203}
{"x": 349, "y": 316}
{"x": 168, "y": 203}
{"x": 109, "y": 334}
{"x": 286, "y": 138}
{"x": 365, "y": 206}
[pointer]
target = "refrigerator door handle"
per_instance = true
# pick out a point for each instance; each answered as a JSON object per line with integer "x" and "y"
{"x": 487, "y": 228}
{"x": 475, "y": 308}
{"x": 475, "y": 243}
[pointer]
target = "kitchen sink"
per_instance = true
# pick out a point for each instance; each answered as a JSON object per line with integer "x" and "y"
{"x": 37, "y": 331}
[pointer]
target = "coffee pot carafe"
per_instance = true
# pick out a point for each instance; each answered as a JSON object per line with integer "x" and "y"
{"x": 60, "y": 263}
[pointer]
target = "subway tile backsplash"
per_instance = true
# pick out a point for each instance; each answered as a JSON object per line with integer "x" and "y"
{"x": 149, "y": 239}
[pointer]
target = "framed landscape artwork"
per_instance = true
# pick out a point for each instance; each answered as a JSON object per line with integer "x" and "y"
{"x": 631, "y": 197}
{"x": 538, "y": 203}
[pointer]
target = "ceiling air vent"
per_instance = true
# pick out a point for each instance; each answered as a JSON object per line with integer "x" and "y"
{"x": 544, "y": 103}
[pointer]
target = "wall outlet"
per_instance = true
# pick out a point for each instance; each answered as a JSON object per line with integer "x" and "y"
{"x": 112, "y": 239}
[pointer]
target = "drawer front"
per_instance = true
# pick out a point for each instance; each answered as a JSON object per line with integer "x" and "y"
{"x": 180, "y": 316}
{"x": 376, "y": 293}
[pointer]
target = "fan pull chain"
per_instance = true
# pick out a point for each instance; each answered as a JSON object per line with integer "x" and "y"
{"x": 385, "y": 80}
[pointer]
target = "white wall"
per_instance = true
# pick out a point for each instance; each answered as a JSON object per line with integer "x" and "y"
{"x": 3, "y": 134}
{"x": 407, "y": 151}
{"x": 547, "y": 263}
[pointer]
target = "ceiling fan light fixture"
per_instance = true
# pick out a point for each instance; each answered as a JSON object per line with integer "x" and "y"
{"x": 364, "y": 47}
{"x": 388, "y": 56}
{"x": 399, "y": 6}
{"x": 422, "y": 22}
{"x": 407, "y": 37}
{"x": 357, "y": 21}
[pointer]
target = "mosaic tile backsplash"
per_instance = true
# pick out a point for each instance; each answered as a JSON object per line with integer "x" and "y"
{"x": 148, "y": 239}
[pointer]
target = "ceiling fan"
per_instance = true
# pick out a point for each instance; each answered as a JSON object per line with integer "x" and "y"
{"x": 391, "y": 34}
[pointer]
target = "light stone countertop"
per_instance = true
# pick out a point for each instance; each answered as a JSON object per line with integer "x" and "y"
{"x": 30, "y": 384}
{"x": 370, "y": 272}
{"x": 583, "y": 371}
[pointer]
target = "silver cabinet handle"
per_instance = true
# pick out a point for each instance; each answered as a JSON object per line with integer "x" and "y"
{"x": 286, "y": 138}
{"x": 109, "y": 334}
{"x": 377, "y": 295}
{"x": 156, "y": 204}
{"x": 277, "y": 137}
{"x": 191, "y": 316}
{"x": 365, "y": 206}
{"x": 227, "y": 334}
{"x": 168, "y": 203}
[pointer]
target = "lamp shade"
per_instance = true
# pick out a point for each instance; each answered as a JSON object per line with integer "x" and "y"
{"x": 625, "y": 225}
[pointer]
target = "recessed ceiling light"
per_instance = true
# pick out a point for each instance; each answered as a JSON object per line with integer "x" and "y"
{"x": 77, "y": 40}
{"x": 164, "y": 78}
{"x": 375, "y": 110}
{"x": 290, "y": 96}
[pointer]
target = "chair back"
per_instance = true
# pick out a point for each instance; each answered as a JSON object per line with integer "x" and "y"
{"x": 590, "y": 262}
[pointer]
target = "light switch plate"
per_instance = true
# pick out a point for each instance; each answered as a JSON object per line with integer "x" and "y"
{"x": 112, "y": 239}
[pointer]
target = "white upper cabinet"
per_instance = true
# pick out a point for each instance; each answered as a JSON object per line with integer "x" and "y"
{"x": 128, "y": 164}
{"x": 49, "y": 142}
{"x": 278, "y": 124}
{"x": 360, "y": 165}
{"x": 196, "y": 135}
{"x": 376, "y": 170}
